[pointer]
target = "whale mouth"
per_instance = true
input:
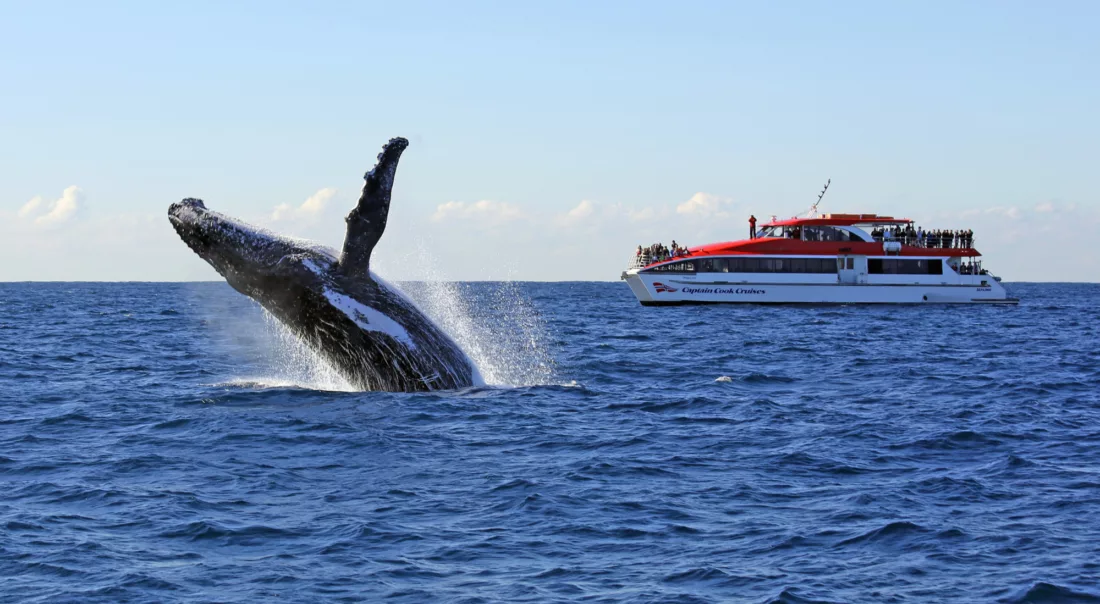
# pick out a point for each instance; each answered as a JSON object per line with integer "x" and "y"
{"x": 187, "y": 218}
{"x": 229, "y": 245}
{"x": 186, "y": 209}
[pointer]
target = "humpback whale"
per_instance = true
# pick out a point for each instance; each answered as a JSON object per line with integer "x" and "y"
{"x": 372, "y": 334}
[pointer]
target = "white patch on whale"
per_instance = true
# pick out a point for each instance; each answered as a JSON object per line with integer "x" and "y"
{"x": 312, "y": 266}
{"x": 368, "y": 318}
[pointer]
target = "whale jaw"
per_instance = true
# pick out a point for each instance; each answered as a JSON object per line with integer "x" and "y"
{"x": 233, "y": 247}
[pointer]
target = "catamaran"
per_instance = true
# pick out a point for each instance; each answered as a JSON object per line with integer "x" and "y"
{"x": 822, "y": 259}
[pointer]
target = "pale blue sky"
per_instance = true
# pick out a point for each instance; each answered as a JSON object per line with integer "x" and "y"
{"x": 959, "y": 114}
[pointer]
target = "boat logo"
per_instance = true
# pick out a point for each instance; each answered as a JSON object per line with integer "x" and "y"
{"x": 661, "y": 287}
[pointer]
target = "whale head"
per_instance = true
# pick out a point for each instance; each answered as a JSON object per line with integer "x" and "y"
{"x": 241, "y": 252}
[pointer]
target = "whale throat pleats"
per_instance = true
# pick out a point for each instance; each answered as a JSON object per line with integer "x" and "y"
{"x": 367, "y": 220}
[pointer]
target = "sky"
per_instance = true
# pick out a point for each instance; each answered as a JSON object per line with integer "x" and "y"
{"x": 547, "y": 139}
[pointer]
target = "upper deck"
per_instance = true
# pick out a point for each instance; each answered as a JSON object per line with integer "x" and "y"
{"x": 840, "y": 220}
{"x": 788, "y": 246}
{"x": 833, "y": 235}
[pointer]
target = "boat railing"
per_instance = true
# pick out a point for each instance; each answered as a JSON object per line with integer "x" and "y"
{"x": 645, "y": 259}
{"x": 926, "y": 242}
{"x": 637, "y": 261}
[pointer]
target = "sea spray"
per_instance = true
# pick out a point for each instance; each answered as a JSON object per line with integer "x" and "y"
{"x": 291, "y": 362}
{"x": 258, "y": 350}
{"x": 494, "y": 322}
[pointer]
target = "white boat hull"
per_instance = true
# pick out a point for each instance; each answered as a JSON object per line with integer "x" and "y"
{"x": 653, "y": 289}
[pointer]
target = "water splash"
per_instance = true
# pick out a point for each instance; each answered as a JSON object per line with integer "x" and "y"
{"x": 494, "y": 323}
{"x": 293, "y": 363}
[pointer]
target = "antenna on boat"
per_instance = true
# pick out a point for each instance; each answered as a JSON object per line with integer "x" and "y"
{"x": 813, "y": 208}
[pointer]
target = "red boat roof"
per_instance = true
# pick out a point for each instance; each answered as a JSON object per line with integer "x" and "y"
{"x": 839, "y": 220}
{"x": 779, "y": 246}
{"x": 771, "y": 246}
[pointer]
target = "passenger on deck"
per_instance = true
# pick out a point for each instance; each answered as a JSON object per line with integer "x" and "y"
{"x": 752, "y": 226}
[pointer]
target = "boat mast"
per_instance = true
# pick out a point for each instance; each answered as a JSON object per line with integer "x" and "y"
{"x": 813, "y": 209}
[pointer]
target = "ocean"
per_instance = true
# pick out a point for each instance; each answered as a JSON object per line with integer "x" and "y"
{"x": 169, "y": 442}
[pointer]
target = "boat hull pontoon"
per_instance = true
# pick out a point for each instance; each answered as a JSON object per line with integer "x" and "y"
{"x": 658, "y": 290}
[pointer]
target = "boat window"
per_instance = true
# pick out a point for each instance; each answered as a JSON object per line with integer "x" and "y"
{"x": 851, "y": 264}
{"x": 898, "y": 266}
{"x": 684, "y": 266}
{"x": 783, "y": 265}
{"x": 827, "y": 233}
{"x": 713, "y": 265}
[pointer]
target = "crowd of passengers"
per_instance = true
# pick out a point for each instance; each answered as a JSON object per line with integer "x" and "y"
{"x": 972, "y": 268}
{"x": 658, "y": 252}
{"x": 921, "y": 238}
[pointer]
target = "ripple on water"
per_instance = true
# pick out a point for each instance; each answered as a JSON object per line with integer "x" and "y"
{"x": 160, "y": 442}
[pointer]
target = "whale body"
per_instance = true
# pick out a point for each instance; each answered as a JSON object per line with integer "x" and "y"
{"x": 372, "y": 334}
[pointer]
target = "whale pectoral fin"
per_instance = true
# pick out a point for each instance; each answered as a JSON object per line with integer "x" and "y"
{"x": 367, "y": 220}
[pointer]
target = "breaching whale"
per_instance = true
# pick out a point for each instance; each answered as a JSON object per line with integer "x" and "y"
{"x": 374, "y": 336}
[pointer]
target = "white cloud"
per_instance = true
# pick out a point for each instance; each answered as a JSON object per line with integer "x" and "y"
{"x": 584, "y": 210}
{"x": 1011, "y": 212}
{"x": 704, "y": 204}
{"x": 311, "y": 208}
{"x": 1056, "y": 208}
{"x": 641, "y": 215}
{"x": 485, "y": 212}
{"x": 31, "y": 207}
{"x": 593, "y": 213}
{"x": 58, "y": 211}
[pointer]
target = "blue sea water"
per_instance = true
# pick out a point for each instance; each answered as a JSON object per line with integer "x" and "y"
{"x": 167, "y": 442}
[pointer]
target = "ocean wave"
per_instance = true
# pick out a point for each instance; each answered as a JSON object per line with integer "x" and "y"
{"x": 1050, "y": 593}
{"x": 888, "y": 534}
{"x": 178, "y": 457}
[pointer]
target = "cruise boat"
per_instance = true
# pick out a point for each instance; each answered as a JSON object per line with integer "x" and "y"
{"x": 821, "y": 259}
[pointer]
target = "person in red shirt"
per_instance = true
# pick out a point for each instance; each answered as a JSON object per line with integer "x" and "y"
{"x": 752, "y": 227}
